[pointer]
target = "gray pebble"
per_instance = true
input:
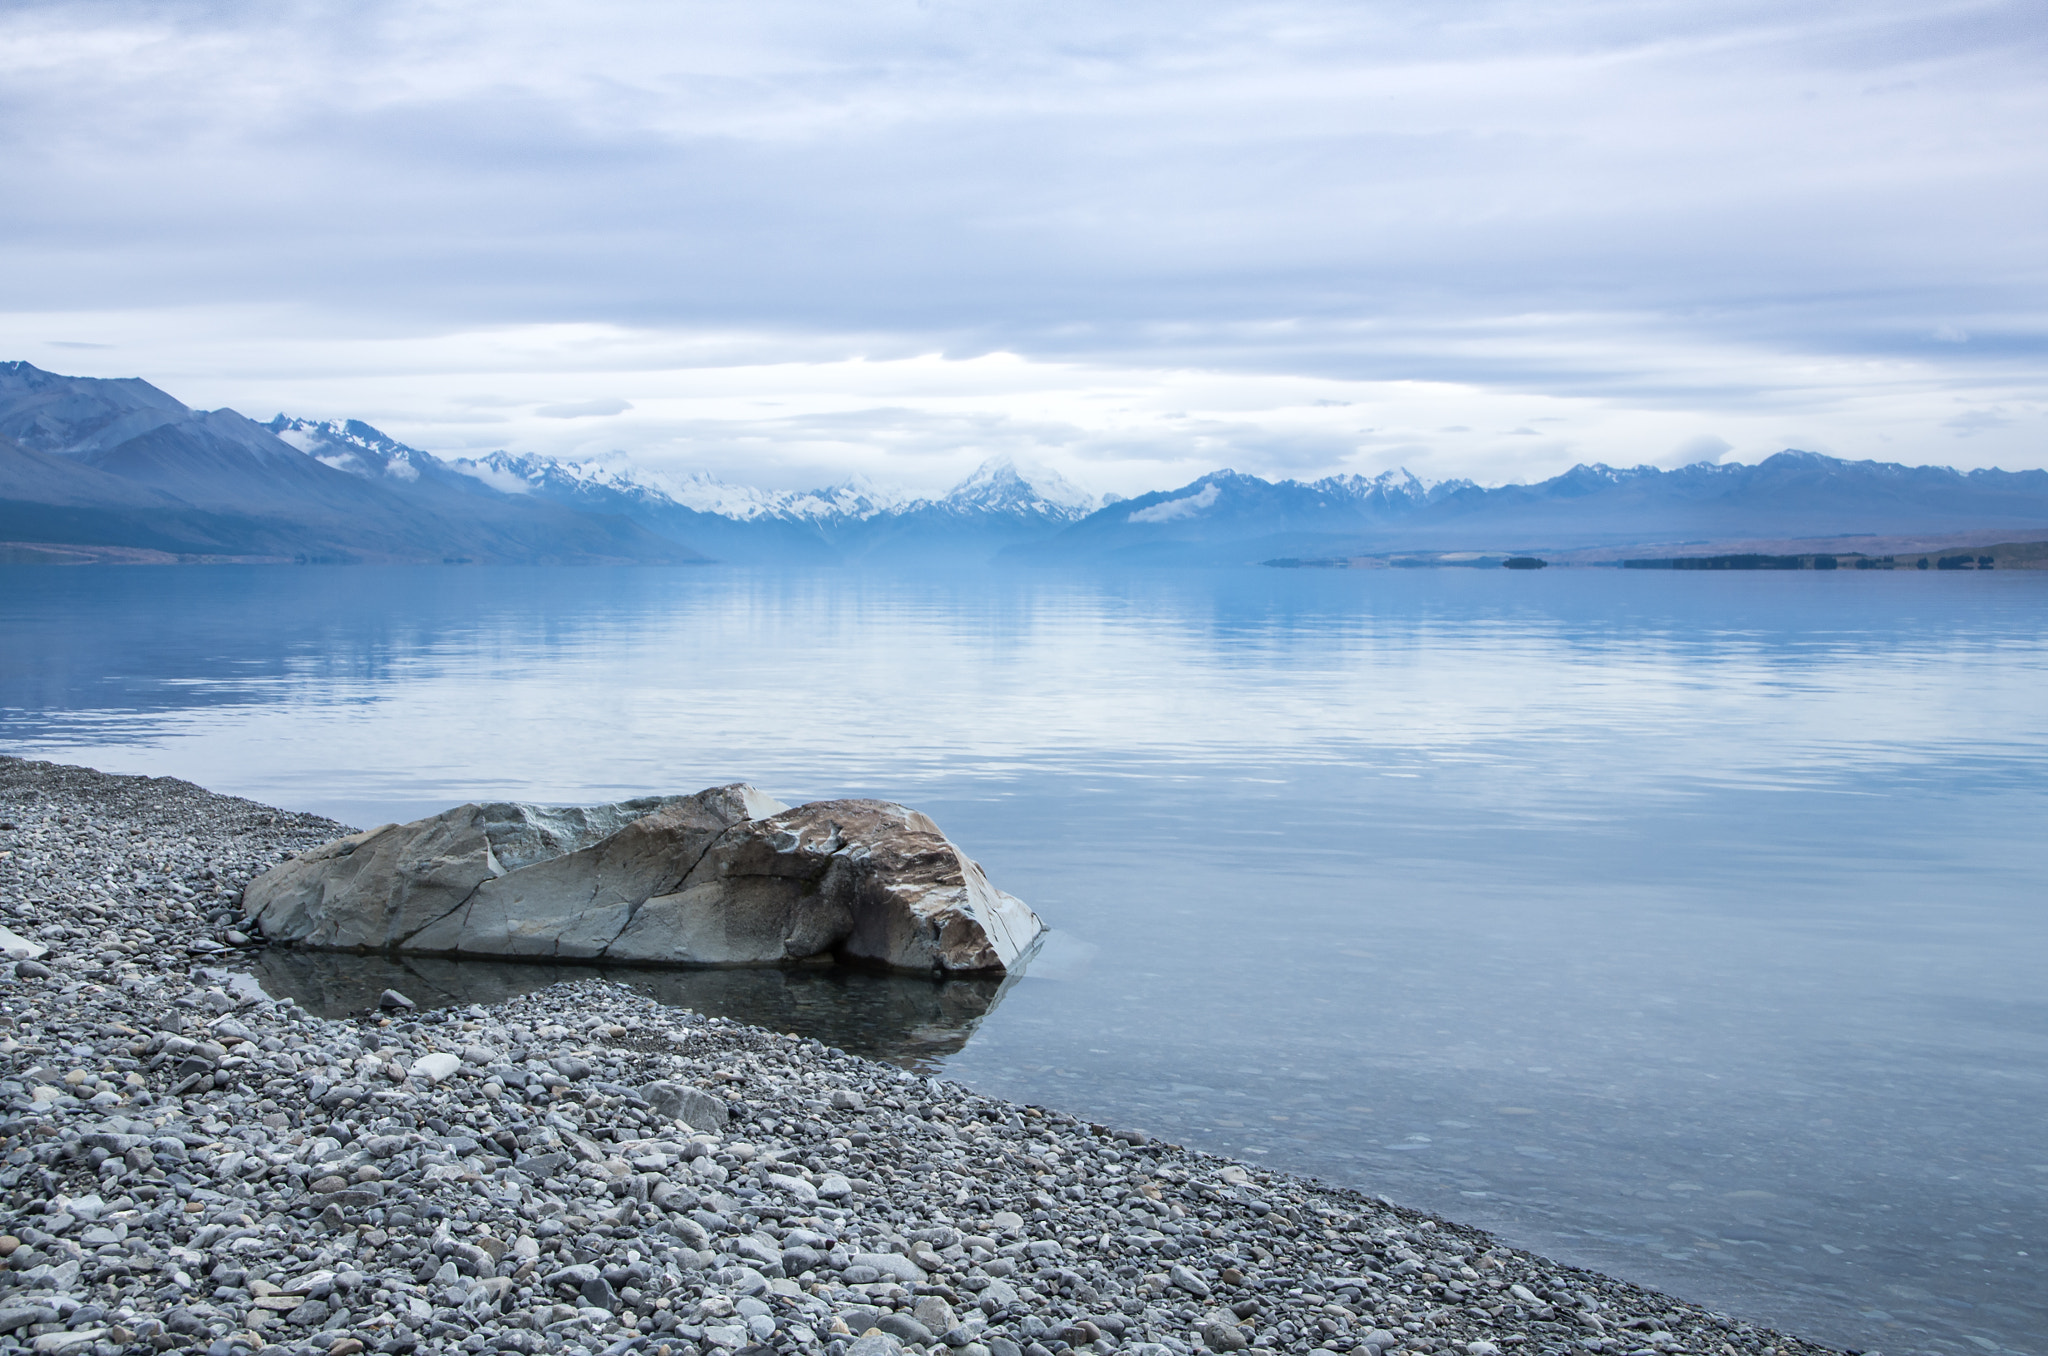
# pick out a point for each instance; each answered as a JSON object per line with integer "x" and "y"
{"x": 595, "y": 1173}
{"x": 905, "y": 1328}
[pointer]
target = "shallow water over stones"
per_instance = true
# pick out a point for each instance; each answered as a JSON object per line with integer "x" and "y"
{"x": 1689, "y": 928}
{"x": 904, "y": 1019}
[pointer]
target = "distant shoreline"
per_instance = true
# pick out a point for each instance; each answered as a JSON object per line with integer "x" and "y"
{"x": 1947, "y": 556}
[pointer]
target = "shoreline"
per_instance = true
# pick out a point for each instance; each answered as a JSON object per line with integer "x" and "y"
{"x": 192, "y": 1165}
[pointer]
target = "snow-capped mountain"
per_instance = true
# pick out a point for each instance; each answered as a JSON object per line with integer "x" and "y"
{"x": 1001, "y": 504}
{"x": 117, "y": 465}
{"x": 1228, "y": 518}
{"x": 1390, "y": 487}
{"x": 1000, "y": 485}
{"x": 120, "y": 465}
{"x": 353, "y": 446}
{"x": 614, "y": 476}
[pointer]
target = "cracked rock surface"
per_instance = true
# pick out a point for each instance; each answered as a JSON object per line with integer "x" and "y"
{"x": 728, "y": 876}
{"x": 191, "y": 1166}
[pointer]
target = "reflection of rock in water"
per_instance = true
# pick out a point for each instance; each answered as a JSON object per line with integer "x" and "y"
{"x": 903, "y": 1019}
{"x": 335, "y": 984}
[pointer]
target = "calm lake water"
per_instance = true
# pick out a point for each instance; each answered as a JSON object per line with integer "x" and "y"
{"x": 1692, "y": 927}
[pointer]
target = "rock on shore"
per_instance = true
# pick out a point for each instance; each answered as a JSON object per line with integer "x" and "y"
{"x": 192, "y": 1166}
{"x": 728, "y": 876}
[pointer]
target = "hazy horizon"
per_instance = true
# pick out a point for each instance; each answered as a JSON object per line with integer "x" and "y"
{"x": 1042, "y": 474}
{"x": 795, "y": 243}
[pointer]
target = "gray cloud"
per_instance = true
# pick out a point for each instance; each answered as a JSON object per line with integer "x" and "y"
{"x": 585, "y": 409}
{"x": 1973, "y": 422}
{"x": 1684, "y": 205}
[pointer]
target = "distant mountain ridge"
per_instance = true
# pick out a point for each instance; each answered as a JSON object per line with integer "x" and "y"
{"x": 1001, "y": 504}
{"x": 213, "y": 484}
{"x": 93, "y": 462}
{"x": 1228, "y": 518}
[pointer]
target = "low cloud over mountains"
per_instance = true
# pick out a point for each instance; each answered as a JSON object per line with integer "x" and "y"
{"x": 102, "y": 467}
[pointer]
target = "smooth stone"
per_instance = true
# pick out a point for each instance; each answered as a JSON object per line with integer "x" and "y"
{"x": 935, "y": 1314}
{"x": 905, "y": 1328}
{"x": 891, "y": 1264}
{"x": 435, "y": 1067}
{"x": 795, "y": 1187}
{"x": 16, "y": 947}
{"x": 692, "y": 1106}
{"x": 309, "y": 1314}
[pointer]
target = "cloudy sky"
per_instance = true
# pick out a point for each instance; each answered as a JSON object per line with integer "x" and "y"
{"x": 788, "y": 240}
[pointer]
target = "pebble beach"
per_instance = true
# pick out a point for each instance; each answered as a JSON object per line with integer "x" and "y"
{"x": 192, "y": 1165}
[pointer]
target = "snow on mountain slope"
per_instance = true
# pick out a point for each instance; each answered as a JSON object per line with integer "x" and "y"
{"x": 352, "y": 446}
{"x": 1390, "y": 487}
{"x": 1228, "y": 494}
{"x": 616, "y": 477}
{"x": 857, "y": 497}
{"x": 1000, "y": 485}
{"x": 1026, "y": 512}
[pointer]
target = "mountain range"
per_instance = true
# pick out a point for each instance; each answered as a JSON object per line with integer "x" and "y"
{"x": 115, "y": 468}
{"x": 1793, "y": 495}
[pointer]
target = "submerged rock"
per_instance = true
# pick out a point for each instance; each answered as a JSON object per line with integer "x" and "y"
{"x": 728, "y": 876}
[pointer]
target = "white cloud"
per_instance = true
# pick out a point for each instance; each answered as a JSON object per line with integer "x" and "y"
{"x": 1705, "y": 447}
{"x": 1007, "y": 222}
{"x": 1187, "y": 506}
{"x": 585, "y": 409}
{"x": 725, "y": 404}
{"x": 1970, "y": 423}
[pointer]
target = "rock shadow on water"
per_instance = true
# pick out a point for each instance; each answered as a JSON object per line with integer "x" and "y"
{"x": 907, "y": 1020}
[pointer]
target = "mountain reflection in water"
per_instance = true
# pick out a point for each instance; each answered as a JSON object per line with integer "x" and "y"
{"x": 904, "y": 1019}
{"x": 1686, "y": 925}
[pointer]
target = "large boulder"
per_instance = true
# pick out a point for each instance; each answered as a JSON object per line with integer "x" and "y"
{"x": 728, "y": 876}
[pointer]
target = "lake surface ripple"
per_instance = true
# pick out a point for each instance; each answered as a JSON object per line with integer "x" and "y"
{"x": 1689, "y": 927}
